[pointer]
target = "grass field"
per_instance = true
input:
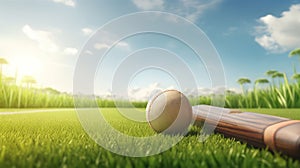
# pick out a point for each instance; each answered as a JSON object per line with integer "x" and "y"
{"x": 56, "y": 139}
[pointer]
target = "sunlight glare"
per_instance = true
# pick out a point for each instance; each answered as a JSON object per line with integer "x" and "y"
{"x": 27, "y": 66}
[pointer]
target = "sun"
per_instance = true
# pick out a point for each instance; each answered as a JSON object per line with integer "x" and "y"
{"x": 26, "y": 66}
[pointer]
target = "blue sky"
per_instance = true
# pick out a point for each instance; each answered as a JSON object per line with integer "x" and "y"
{"x": 43, "y": 38}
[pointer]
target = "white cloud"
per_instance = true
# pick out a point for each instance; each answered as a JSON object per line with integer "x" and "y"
{"x": 100, "y": 46}
{"x": 43, "y": 38}
{"x": 280, "y": 34}
{"x": 205, "y": 91}
{"x": 87, "y": 31}
{"x": 70, "y": 3}
{"x": 230, "y": 31}
{"x": 145, "y": 93}
{"x": 122, "y": 44}
{"x": 70, "y": 51}
{"x": 190, "y": 9}
{"x": 148, "y": 4}
{"x": 88, "y": 52}
{"x": 108, "y": 40}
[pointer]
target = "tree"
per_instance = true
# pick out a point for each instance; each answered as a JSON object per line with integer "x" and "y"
{"x": 51, "y": 90}
{"x": 270, "y": 73}
{"x": 279, "y": 76}
{"x": 9, "y": 80}
{"x": 28, "y": 80}
{"x": 295, "y": 52}
{"x": 256, "y": 93}
{"x": 261, "y": 81}
{"x": 296, "y": 77}
{"x": 2, "y": 62}
{"x": 242, "y": 82}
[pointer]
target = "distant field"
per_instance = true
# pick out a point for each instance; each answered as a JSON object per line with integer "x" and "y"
{"x": 56, "y": 139}
{"x": 287, "y": 113}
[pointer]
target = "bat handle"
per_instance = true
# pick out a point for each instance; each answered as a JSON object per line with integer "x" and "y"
{"x": 278, "y": 134}
{"x": 284, "y": 137}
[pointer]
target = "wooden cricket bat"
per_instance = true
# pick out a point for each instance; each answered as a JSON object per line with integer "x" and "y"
{"x": 260, "y": 130}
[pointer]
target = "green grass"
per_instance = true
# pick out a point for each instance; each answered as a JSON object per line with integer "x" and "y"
{"x": 283, "y": 95}
{"x": 287, "y": 113}
{"x": 56, "y": 139}
{"x": 13, "y": 96}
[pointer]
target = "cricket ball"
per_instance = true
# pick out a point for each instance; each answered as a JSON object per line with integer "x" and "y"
{"x": 169, "y": 112}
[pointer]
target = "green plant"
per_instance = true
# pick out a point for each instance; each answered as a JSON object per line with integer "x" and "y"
{"x": 2, "y": 62}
